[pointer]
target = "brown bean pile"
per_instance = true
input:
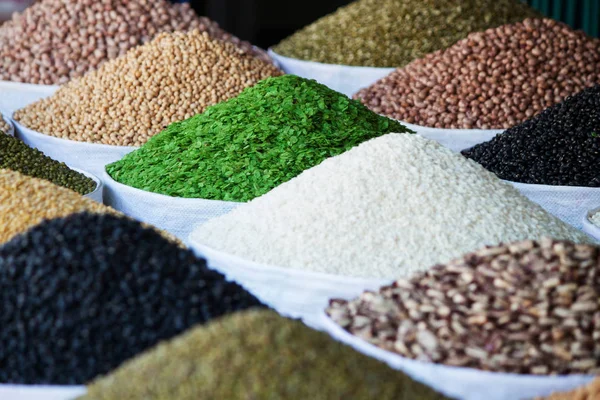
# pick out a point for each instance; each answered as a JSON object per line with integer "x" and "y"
{"x": 527, "y": 307}
{"x": 26, "y": 201}
{"x": 490, "y": 80}
{"x": 54, "y": 41}
{"x": 130, "y": 99}
{"x": 589, "y": 392}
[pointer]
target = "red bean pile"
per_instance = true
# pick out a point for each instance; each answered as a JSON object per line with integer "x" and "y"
{"x": 490, "y": 80}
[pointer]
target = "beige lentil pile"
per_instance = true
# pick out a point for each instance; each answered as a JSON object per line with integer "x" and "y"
{"x": 491, "y": 80}
{"x": 130, "y": 99}
{"x": 596, "y": 219}
{"x": 255, "y": 354}
{"x": 3, "y": 125}
{"x": 589, "y": 392}
{"x": 26, "y": 201}
{"x": 392, "y": 33}
{"x": 54, "y": 41}
{"x": 526, "y": 307}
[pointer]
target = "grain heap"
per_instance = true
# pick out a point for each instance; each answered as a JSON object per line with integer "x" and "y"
{"x": 4, "y": 127}
{"x": 589, "y": 392}
{"x": 526, "y": 307}
{"x": 392, "y": 33}
{"x": 560, "y": 146}
{"x": 17, "y": 156}
{"x": 26, "y": 201}
{"x": 260, "y": 356}
{"x": 243, "y": 148}
{"x": 100, "y": 289}
{"x": 596, "y": 219}
{"x": 54, "y": 41}
{"x": 391, "y": 206}
{"x": 127, "y": 100}
{"x": 490, "y": 80}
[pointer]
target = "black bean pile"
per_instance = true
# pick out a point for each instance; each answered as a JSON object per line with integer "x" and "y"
{"x": 560, "y": 146}
{"x": 17, "y": 156}
{"x": 81, "y": 294}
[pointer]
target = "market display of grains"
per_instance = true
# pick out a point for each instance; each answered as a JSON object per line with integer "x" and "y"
{"x": 392, "y": 33}
{"x": 242, "y": 148}
{"x": 17, "y": 156}
{"x": 528, "y": 307}
{"x": 490, "y": 80}
{"x": 100, "y": 289}
{"x": 260, "y": 355}
{"x": 54, "y": 41}
{"x": 588, "y": 392}
{"x": 130, "y": 99}
{"x": 385, "y": 209}
{"x": 559, "y": 146}
{"x": 27, "y": 201}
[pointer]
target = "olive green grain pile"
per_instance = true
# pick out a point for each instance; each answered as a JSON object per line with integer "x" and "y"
{"x": 26, "y": 201}
{"x": 392, "y": 33}
{"x": 255, "y": 355}
{"x": 129, "y": 99}
{"x": 17, "y": 156}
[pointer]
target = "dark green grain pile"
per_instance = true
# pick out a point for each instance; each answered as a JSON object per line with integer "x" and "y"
{"x": 242, "y": 148}
{"x": 17, "y": 156}
{"x": 255, "y": 355}
{"x": 392, "y": 33}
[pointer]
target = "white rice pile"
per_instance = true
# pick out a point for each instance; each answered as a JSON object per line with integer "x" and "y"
{"x": 385, "y": 209}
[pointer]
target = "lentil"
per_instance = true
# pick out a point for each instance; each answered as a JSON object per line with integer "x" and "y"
{"x": 17, "y": 156}
{"x": 385, "y": 209}
{"x": 267, "y": 135}
{"x": 278, "y": 358}
{"x": 26, "y": 201}
{"x": 100, "y": 289}
{"x": 4, "y": 127}
{"x": 54, "y": 41}
{"x": 131, "y": 98}
{"x": 490, "y": 80}
{"x": 526, "y": 307}
{"x": 392, "y": 33}
{"x": 589, "y": 392}
{"x": 560, "y": 146}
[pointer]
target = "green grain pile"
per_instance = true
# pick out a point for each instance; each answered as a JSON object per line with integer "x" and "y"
{"x": 242, "y": 148}
{"x": 392, "y": 33}
{"x": 17, "y": 156}
{"x": 255, "y": 355}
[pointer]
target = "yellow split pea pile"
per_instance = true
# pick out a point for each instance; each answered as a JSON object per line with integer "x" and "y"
{"x": 134, "y": 97}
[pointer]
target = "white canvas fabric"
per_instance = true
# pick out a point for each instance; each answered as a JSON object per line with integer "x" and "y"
{"x": 175, "y": 215}
{"x": 455, "y": 139}
{"x": 89, "y": 157}
{"x": 15, "y": 95}
{"x": 41, "y": 392}
{"x": 11, "y": 127}
{"x": 291, "y": 292}
{"x": 569, "y": 203}
{"x": 589, "y": 227}
{"x": 342, "y": 78}
{"x": 462, "y": 383}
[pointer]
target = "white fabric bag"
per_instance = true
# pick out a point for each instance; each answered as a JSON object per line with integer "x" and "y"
{"x": 589, "y": 227}
{"x": 40, "y": 392}
{"x": 15, "y": 95}
{"x": 342, "y": 78}
{"x": 11, "y": 127}
{"x": 569, "y": 203}
{"x": 90, "y": 157}
{"x": 455, "y": 139}
{"x": 291, "y": 292}
{"x": 175, "y": 215}
{"x": 462, "y": 383}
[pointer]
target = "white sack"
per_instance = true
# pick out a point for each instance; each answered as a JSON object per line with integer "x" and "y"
{"x": 175, "y": 215}
{"x": 89, "y": 157}
{"x": 455, "y": 139}
{"x": 462, "y": 383}
{"x": 11, "y": 127}
{"x": 15, "y": 95}
{"x": 291, "y": 292}
{"x": 343, "y": 78}
{"x": 40, "y": 392}
{"x": 589, "y": 227}
{"x": 569, "y": 203}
